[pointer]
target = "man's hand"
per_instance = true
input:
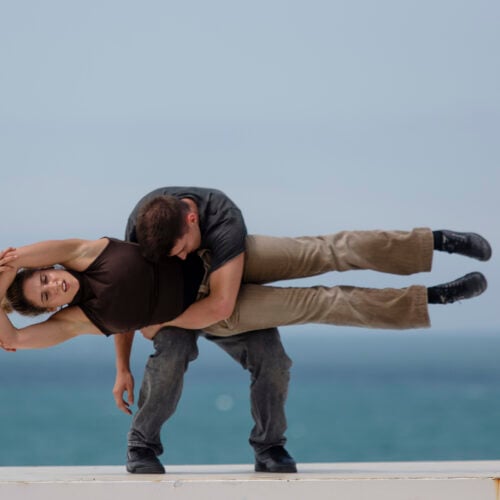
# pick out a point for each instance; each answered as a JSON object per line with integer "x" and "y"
{"x": 150, "y": 331}
{"x": 124, "y": 382}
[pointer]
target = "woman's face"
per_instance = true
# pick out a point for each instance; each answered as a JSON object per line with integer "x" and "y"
{"x": 51, "y": 288}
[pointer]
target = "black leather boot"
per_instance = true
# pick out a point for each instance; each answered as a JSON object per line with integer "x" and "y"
{"x": 468, "y": 244}
{"x": 466, "y": 287}
{"x": 143, "y": 461}
{"x": 275, "y": 459}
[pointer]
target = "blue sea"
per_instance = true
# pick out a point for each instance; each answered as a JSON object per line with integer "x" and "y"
{"x": 355, "y": 395}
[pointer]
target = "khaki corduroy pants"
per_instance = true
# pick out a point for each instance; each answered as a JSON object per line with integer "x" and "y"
{"x": 270, "y": 259}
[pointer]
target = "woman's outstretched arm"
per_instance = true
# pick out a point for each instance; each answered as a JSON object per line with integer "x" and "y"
{"x": 124, "y": 381}
{"x": 72, "y": 253}
{"x": 62, "y": 326}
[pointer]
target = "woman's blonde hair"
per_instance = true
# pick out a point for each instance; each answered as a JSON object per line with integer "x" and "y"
{"x": 6, "y": 305}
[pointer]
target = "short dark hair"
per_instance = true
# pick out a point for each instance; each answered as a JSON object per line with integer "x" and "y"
{"x": 15, "y": 299}
{"x": 160, "y": 223}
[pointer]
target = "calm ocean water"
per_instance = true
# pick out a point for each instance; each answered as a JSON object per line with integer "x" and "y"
{"x": 354, "y": 396}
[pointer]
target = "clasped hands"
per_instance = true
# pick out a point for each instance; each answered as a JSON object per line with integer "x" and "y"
{"x": 6, "y": 257}
{"x": 7, "y": 275}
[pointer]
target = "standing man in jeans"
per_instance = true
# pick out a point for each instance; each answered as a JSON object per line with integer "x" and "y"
{"x": 219, "y": 239}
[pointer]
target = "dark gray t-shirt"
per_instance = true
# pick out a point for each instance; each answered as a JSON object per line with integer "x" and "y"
{"x": 222, "y": 227}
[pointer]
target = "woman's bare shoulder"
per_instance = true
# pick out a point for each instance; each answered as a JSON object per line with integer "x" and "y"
{"x": 88, "y": 251}
{"x": 96, "y": 247}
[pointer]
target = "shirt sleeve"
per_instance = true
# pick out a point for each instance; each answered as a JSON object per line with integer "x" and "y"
{"x": 227, "y": 240}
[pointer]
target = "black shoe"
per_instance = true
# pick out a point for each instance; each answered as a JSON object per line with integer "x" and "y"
{"x": 275, "y": 459}
{"x": 466, "y": 287}
{"x": 468, "y": 244}
{"x": 143, "y": 461}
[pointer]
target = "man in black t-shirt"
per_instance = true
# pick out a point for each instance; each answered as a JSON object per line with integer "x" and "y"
{"x": 216, "y": 233}
{"x": 222, "y": 229}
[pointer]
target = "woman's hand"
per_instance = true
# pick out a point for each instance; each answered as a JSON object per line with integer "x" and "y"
{"x": 7, "y": 269}
{"x": 124, "y": 383}
{"x": 7, "y": 256}
{"x": 7, "y": 274}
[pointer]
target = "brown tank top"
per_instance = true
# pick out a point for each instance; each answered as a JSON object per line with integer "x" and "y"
{"x": 122, "y": 291}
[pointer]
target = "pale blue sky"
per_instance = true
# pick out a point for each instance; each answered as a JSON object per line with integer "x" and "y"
{"x": 314, "y": 116}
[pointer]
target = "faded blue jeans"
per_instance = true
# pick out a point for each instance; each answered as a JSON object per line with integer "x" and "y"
{"x": 261, "y": 353}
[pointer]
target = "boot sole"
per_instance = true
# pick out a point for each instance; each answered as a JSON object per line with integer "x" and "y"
{"x": 260, "y": 467}
{"x": 144, "y": 469}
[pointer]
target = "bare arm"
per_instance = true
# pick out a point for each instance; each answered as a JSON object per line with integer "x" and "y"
{"x": 60, "y": 327}
{"x": 124, "y": 381}
{"x": 7, "y": 273}
{"x": 73, "y": 253}
{"x": 224, "y": 286}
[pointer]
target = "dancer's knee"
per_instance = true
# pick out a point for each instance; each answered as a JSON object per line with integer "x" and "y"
{"x": 175, "y": 345}
{"x": 266, "y": 353}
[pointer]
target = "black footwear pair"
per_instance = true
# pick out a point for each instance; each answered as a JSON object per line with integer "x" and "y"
{"x": 468, "y": 244}
{"x": 471, "y": 285}
{"x": 143, "y": 461}
{"x": 275, "y": 459}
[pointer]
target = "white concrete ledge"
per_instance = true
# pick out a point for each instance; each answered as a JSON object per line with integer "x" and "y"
{"x": 358, "y": 481}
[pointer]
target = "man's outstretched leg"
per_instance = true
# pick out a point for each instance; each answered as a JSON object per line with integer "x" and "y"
{"x": 159, "y": 395}
{"x": 263, "y": 355}
{"x": 270, "y": 259}
{"x": 260, "y": 307}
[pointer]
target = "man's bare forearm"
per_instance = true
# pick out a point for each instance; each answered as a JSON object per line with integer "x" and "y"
{"x": 201, "y": 314}
{"x": 224, "y": 286}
